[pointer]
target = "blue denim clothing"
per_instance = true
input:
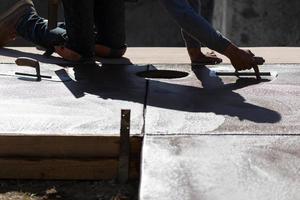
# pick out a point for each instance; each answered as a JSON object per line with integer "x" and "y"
{"x": 195, "y": 25}
{"x": 34, "y": 28}
{"x": 205, "y": 8}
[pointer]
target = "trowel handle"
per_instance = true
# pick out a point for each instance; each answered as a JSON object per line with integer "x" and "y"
{"x": 27, "y": 62}
{"x": 258, "y": 61}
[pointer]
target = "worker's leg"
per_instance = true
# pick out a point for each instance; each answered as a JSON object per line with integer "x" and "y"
{"x": 79, "y": 17}
{"x": 201, "y": 30}
{"x": 110, "y": 25}
{"x": 207, "y": 9}
{"x": 195, "y": 25}
{"x": 34, "y": 28}
{"x": 190, "y": 42}
{"x": 193, "y": 46}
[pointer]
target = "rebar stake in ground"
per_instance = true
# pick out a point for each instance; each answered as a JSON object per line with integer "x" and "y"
{"x": 124, "y": 155}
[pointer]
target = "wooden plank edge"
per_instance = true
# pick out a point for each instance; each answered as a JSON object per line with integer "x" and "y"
{"x": 63, "y": 169}
{"x": 65, "y": 146}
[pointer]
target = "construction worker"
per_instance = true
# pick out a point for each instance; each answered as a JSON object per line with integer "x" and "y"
{"x": 22, "y": 19}
{"x": 205, "y": 8}
{"x": 185, "y": 14}
{"x": 81, "y": 16}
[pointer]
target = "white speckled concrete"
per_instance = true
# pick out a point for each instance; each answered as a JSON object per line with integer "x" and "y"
{"x": 51, "y": 107}
{"x": 223, "y": 139}
{"x": 201, "y": 104}
{"x": 221, "y": 168}
{"x": 206, "y": 137}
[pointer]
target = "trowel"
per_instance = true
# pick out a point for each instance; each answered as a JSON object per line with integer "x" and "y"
{"x": 256, "y": 73}
{"x": 28, "y": 62}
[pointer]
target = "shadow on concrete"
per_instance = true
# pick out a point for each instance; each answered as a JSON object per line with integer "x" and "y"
{"x": 222, "y": 98}
{"x": 213, "y": 97}
{"x": 13, "y": 53}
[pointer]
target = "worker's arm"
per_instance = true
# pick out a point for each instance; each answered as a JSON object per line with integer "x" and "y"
{"x": 195, "y": 25}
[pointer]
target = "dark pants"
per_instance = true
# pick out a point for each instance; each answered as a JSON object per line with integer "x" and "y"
{"x": 108, "y": 16}
{"x": 79, "y": 33}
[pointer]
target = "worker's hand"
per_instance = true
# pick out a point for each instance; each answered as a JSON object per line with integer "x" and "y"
{"x": 243, "y": 59}
{"x": 67, "y": 54}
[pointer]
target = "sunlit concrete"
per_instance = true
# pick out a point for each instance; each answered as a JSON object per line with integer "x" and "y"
{"x": 222, "y": 137}
{"x": 220, "y": 168}
{"x": 203, "y": 103}
{"x": 53, "y": 107}
{"x": 206, "y": 137}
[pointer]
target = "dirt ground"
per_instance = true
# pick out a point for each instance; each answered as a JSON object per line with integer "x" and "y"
{"x": 67, "y": 190}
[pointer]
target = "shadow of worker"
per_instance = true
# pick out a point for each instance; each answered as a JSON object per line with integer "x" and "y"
{"x": 213, "y": 96}
{"x": 224, "y": 100}
{"x": 53, "y": 59}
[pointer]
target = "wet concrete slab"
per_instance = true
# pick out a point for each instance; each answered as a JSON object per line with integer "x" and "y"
{"x": 62, "y": 106}
{"x": 239, "y": 138}
{"x": 220, "y": 167}
{"x": 222, "y": 137}
{"x": 206, "y": 104}
{"x": 200, "y": 103}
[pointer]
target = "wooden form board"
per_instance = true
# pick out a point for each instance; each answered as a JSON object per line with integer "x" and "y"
{"x": 64, "y": 157}
{"x": 63, "y": 169}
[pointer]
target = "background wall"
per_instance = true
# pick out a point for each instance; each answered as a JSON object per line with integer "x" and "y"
{"x": 246, "y": 22}
{"x": 263, "y": 22}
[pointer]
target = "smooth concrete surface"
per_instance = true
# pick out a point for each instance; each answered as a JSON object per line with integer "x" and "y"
{"x": 202, "y": 103}
{"x": 206, "y": 137}
{"x": 220, "y": 168}
{"x": 53, "y": 107}
{"x": 220, "y": 138}
{"x": 136, "y": 55}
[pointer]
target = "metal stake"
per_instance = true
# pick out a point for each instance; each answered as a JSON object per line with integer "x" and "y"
{"x": 124, "y": 155}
